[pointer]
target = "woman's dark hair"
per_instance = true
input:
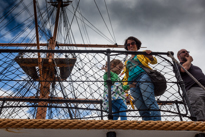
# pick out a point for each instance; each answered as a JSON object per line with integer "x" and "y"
{"x": 137, "y": 41}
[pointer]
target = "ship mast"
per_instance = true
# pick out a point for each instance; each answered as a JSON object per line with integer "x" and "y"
{"x": 47, "y": 73}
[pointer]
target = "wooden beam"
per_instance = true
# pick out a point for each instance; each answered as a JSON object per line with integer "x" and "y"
{"x": 55, "y": 99}
{"x": 37, "y": 39}
{"x": 46, "y": 65}
{"x": 63, "y": 45}
{"x": 25, "y": 99}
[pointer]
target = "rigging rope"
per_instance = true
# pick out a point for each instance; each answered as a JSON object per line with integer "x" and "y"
{"x": 97, "y": 30}
{"x": 78, "y": 22}
{"x": 42, "y": 21}
{"x": 110, "y": 21}
{"x": 4, "y": 16}
{"x": 13, "y": 17}
{"x": 84, "y": 27}
{"x": 104, "y": 20}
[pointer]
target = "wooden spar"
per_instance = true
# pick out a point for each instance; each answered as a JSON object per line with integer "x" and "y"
{"x": 29, "y": 67}
{"x": 57, "y": 19}
{"x": 57, "y": 100}
{"x": 63, "y": 45}
{"x": 37, "y": 39}
{"x": 61, "y": 100}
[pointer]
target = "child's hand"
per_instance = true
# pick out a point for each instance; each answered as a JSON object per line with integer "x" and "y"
{"x": 104, "y": 68}
{"x": 127, "y": 98}
{"x": 133, "y": 85}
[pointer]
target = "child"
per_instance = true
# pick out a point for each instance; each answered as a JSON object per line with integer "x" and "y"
{"x": 117, "y": 90}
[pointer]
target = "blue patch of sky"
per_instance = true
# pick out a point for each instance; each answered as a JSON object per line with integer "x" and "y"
{"x": 13, "y": 28}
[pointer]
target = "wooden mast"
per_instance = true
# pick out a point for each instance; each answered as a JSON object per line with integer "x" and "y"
{"x": 48, "y": 73}
{"x": 39, "y": 58}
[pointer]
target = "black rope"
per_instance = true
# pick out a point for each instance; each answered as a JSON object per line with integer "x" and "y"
{"x": 104, "y": 20}
{"x": 110, "y": 21}
{"x": 94, "y": 28}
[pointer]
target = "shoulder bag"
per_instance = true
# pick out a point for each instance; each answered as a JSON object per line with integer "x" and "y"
{"x": 157, "y": 78}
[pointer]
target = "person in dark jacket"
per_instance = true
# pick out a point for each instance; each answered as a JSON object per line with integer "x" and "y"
{"x": 195, "y": 93}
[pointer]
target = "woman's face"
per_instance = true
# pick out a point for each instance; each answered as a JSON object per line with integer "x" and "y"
{"x": 131, "y": 45}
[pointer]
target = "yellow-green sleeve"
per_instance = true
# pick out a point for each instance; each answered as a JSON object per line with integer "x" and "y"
{"x": 126, "y": 72}
{"x": 125, "y": 78}
{"x": 145, "y": 61}
{"x": 154, "y": 61}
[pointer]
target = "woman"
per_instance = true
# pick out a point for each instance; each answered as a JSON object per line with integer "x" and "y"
{"x": 143, "y": 93}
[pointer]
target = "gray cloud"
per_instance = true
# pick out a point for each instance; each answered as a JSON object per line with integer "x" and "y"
{"x": 162, "y": 25}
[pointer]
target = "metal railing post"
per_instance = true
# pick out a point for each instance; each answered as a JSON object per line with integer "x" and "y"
{"x": 101, "y": 110}
{"x": 109, "y": 84}
{"x": 177, "y": 105}
{"x": 182, "y": 85}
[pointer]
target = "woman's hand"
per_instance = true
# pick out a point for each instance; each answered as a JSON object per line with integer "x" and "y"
{"x": 150, "y": 57}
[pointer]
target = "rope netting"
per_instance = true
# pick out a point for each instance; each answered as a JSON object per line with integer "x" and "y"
{"x": 73, "y": 87}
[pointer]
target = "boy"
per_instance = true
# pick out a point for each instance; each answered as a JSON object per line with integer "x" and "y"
{"x": 117, "y": 90}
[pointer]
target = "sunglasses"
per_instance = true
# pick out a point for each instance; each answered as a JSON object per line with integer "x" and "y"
{"x": 185, "y": 52}
{"x": 132, "y": 43}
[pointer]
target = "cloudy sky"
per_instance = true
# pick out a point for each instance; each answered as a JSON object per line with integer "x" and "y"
{"x": 164, "y": 25}
{"x": 161, "y": 25}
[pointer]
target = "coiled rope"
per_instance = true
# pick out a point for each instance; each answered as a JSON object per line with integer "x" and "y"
{"x": 101, "y": 124}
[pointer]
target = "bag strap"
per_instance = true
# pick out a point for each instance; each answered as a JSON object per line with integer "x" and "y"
{"x": 142, "y": 66}
{"x": 136, "y": 63}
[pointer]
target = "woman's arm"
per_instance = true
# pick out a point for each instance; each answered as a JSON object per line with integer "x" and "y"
{"x": 145, "y": 61}
{"x": 151, "y": 59}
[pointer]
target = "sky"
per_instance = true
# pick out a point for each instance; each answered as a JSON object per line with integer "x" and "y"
{"x": 161, "y": 25}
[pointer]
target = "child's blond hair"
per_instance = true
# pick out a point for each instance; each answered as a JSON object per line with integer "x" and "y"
{"x": 115, "y": 62}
